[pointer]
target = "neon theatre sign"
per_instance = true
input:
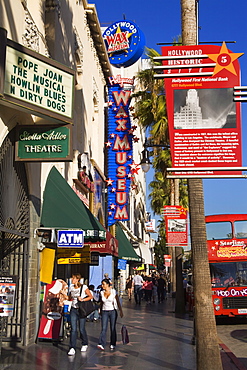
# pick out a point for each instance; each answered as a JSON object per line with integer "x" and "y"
{"x": 120, "y": 152}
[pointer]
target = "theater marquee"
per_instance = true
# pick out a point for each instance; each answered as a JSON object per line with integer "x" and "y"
{"x": 37, "y": 84}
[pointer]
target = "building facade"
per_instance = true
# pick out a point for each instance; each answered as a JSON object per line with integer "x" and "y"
{"x": 44, "y": 190}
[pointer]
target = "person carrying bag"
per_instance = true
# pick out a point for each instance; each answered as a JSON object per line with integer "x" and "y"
{"x": 85, "y": 307}
{"x": 109, "y": 305}
{"x": 78, "y": 293}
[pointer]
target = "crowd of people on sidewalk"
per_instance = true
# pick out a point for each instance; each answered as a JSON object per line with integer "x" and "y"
{"x": 150, "y": 288}
{"x": 107, "y": 306}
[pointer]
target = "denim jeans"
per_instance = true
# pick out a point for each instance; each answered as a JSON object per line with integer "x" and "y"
{"x": 138, "y": 293}
{"x": 105, "y": 317}
{"x": 74, "y": 318}
{"x": 94, "y": 315}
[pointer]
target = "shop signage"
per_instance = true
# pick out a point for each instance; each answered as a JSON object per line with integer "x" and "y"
{"x": 120, "y": 153}
{"x": 85, "y": 180}
{"x": 121, "y": 264}
{"x": 150, "y": 226}
{"x": 124, "y": 42}
{"x": 73, "y": 256}
{"x": 38, "y": 84}
{"x": 70, "y": 239}
{"x": 204, "y": 121}
{"x": 110, "y": 246}
{"x": 73, "y": 260}
{"x": 7, "y": 295}
{"x": 167, "y": 260}
{"x": 94, "y": 259}
{"x": 43, "y": 143}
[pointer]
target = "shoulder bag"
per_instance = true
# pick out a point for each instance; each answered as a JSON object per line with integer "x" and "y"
{"x": 85, "y": 307}
{"x": 125, "y": 335}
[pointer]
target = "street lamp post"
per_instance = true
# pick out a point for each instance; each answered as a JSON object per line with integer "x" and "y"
{"x": 145, "y": 160}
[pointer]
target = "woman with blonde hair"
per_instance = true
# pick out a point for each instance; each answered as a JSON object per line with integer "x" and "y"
{"x": 78, "y": 292}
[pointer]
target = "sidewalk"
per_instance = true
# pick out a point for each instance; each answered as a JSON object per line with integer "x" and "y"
{"x": 158, "y": 340}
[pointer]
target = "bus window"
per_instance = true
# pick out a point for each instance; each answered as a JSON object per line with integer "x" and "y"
{"x": 240, "y": 229}
{"x": 242, "y": 273}
{"x": 223, "y": 274}
{"x": 219, "y": 230}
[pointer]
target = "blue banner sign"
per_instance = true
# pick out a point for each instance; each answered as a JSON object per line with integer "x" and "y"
{"x": 121, "y": 264}
{"x": 70, "y": 239}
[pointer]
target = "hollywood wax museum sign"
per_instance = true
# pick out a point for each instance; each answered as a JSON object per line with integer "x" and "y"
{"x": 124, "y": 42}
{"x": 121, "y": 167}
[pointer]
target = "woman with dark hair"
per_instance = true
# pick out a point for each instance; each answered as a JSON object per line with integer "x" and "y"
{"x": 78, "y": 292}
{"x": 129, "y": 287}
{"x": 108, "y": 309}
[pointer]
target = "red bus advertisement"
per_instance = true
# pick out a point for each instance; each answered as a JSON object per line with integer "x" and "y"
{"x": 227, "y": 253}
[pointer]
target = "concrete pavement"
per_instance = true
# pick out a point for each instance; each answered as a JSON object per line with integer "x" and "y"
{"x": 159, "y": 339}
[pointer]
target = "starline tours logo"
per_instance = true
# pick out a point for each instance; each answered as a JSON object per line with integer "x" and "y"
{"x": 124, "y": 43}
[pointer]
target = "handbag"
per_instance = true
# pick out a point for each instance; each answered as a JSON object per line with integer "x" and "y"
{"x": 125, "y": 335}
{"x": 85, "y": 307}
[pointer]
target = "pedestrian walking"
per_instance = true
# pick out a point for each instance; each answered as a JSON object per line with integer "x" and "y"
{"x": 154, "y": 291}
{"x": 109, "y": 305}
{"x": 148, "y": 287}
{"x": 161, "y": 286}
{"x": 78, "y": 292}
{"x": 137, "y": 284}
{"x": 129, "y": 287}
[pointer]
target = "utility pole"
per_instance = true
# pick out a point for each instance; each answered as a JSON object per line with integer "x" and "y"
{"x": 207, "y": 347}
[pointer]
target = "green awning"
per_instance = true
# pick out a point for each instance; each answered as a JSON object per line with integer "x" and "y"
{"x": 63, "y": 209}
{"x": 125, "y": 249}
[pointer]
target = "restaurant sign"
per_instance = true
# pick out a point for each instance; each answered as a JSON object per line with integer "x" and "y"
{"x": 43, "y": 143}
{"x": 37, "y": 84}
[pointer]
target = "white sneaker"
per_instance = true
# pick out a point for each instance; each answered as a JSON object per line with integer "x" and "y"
{"x": 112, "y": 347}
{"x": 71, "y": 352}
{"x": 101, "y": 347}
{"x": 84, "y": 348}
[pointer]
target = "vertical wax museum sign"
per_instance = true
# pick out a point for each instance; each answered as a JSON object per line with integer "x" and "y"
{"x": 204, "y": 122}
{"x": 37, "y": 84}
{"x": 119, "y": 154}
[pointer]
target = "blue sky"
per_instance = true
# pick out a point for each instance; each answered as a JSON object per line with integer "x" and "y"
{"x": 219, "y": 20}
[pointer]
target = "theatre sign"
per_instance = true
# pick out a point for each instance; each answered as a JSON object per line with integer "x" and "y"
{"x": 36, "y": 84}
{"x": 43, "y": 143}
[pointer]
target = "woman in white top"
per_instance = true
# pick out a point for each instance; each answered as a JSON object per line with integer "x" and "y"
{"x": 109, "y": 304}
{"x": 77, "y": 292}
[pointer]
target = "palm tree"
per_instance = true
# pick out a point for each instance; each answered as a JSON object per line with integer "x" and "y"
{"x": 207, "y": 347}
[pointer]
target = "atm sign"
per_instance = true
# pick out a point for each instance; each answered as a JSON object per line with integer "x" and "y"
{"x": 70, "y": 238}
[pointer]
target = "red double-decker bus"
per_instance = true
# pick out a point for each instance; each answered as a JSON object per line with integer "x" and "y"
{"x": 227, "y": 254}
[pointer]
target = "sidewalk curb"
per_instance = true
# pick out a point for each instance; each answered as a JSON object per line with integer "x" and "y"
{"x": 231, "y": 355}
